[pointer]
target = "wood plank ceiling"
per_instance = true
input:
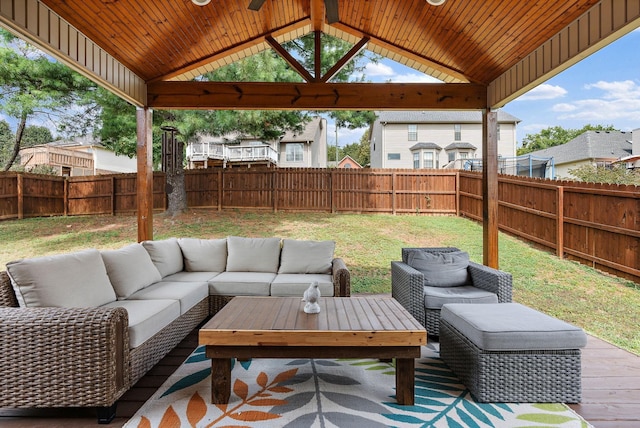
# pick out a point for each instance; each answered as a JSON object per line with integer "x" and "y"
{"x": 460, "y": 41}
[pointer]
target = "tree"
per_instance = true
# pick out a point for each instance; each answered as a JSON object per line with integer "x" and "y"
{"x": 616, "y": 174}
{"x": 32, "y": 84}
{"x": 6, "y": 141}
{"x": 34, "y": 135}
{"x": 555, "y": 136}
{"x": 359, "y": 151}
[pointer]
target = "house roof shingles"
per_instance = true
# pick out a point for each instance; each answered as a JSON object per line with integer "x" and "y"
{"x": 590, "y": 145}
{"x": 439, "y": 116}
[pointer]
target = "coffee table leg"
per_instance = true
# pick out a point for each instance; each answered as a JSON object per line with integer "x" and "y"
{"x": 405, "y": 382}
{"x": 220, "y": 380}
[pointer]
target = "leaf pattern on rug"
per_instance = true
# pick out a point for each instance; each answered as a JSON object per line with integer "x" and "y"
{"x": 326, "y": 392}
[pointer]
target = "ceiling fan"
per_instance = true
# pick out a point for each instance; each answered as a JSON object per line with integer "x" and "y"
{"x": 331, "y": 7}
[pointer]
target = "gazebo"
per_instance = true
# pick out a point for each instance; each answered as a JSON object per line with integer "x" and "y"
{"x": 486, "y": 53}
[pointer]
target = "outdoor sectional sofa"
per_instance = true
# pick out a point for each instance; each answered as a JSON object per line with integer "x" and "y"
{"x": 79, "y": 329}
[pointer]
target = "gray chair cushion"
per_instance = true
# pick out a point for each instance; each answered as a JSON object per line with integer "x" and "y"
{"x": 130, "y": 269}
{"x": 185, "y": 276}
{"x": 291, "y": 284}
{"x": 512, "y": 327}
{"x": 166, "y": 255}
{"x": 74, "y": 280}
{"x": 147, "y": 317}
{"x": 253, "y": 254}
{"x": 306, "y": 256}
{"x": 441, "y": 269}
{"x": 241, "y": 284}
{"x": 435, "y": 297}
{"x": 204, "y": 255}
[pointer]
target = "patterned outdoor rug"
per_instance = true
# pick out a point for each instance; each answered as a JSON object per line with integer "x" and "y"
{"x": 333, "y": 393}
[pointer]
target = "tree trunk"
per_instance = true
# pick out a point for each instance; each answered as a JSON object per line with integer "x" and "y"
{"x": 17, "y": 142}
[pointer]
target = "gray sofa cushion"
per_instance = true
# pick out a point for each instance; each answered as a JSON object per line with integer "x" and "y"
{"x": 188, "y": 294}
{"x": 306, "y": 256}
{"x": 74, "y": 280}
{"x": 512, "y": 327}
{"x": 291, "y": 284}
{"x": 147, "y": 317}
{"x": 185, "y": 276}
{"x": 441, "y": 269}
{"x": 241, "y": 284}
{"x": 166, "y": 255}
{"x": 130, "y": 269}
{"x": 435, "y": 297}
{"x": 253, "y": 254}
{"x": 204, "y": 255}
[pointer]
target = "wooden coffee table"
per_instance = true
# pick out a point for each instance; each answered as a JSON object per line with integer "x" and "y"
{"x": 346, "y": 327}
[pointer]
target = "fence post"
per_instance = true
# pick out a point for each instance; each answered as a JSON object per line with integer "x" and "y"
{"x": 65, "y": 201}
{"x": 274, "y": 192}
{"x": 20, "y": 188}
{"x": 393, "y": 193}
{"x": 457, "y": 187}
{"x": 220, "y": 193}
{"x": 560, "y": 223}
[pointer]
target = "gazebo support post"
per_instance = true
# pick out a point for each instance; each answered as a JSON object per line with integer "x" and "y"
{"x": 144, "y": 178}
{"x": 490, "y": 188}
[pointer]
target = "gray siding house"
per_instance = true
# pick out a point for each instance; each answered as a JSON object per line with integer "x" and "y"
{"x": 434, "y": 138}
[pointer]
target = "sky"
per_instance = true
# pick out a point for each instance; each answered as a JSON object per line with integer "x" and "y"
{"x": 602, "y": 89}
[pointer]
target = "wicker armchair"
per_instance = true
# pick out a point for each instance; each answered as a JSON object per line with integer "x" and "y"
{"x": 407, "y": 286}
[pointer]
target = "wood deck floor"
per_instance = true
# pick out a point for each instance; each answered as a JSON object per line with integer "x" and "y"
{"x": 610, "y": 391}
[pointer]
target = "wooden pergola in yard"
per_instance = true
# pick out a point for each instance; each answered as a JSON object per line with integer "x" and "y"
{"x": 486, "y": 53}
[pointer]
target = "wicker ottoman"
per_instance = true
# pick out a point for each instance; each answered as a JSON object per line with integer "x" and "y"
{"x": 509, "y": 353}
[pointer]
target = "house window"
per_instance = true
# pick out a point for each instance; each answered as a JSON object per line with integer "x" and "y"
{"x": 452, "y": 156}
{"x": 413, "y": 132}
{"x": 457, "y": 132}
{"x": 294, "y": 152}
{"x": 393, "y": 156}
{"x": 428, "y": 158}
{"x": 416, "y": 160}
{"x": 464, "y": 155}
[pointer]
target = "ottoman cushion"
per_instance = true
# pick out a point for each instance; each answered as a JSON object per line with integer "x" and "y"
{"x": 512, "y": 327}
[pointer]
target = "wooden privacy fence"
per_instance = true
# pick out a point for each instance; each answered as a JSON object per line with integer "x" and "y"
{"x": 595, "y": 224}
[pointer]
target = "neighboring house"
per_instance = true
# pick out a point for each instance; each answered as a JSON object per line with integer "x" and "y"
{"x": 305, "y": 149}
{"x": 435, "y": 138}
{"x": 77, "y": 157}
{"x": 349, "y": 162}
{"x": 595, "y": 148}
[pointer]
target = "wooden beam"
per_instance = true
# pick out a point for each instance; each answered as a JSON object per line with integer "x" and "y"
{"x": 317, "y": 55}
{"x": 315, "y": 96}
{"x": 144, "y": 178}
{"x": 317, "y": 14}
{"x": 490, "y": 188}
{"x": 299, "y": 68}
{"x": 355, "y": 50}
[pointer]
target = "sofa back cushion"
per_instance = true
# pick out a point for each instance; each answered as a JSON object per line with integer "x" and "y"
{"x": 253, "y": 254}
{"x": 441, "y": 269}
{"x": 306, "y": 256}
{"x": 130, "y": 269}
{"x": 204, "y": 255}
{"x": 166, "y": 255}
{"x": 74, "y": 280}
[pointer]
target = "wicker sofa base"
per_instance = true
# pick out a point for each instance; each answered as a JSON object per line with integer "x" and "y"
{"x": 552, "y": 376}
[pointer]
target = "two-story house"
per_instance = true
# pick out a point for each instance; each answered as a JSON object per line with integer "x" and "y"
{"x": 307, "y": 148}
{"x": 435, "y": 139}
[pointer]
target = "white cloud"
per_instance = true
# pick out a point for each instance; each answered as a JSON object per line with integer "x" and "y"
{"x": 619, "y": 101}
{"x": 382, "y": 72}
{"x": 378, "y": 70}
{"x": 543, "y": 92}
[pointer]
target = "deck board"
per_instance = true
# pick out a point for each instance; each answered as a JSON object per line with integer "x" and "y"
{"x": 610, "y": 390}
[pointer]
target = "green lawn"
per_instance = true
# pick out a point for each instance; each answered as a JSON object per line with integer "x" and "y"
{"x": 605, "y": 306}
